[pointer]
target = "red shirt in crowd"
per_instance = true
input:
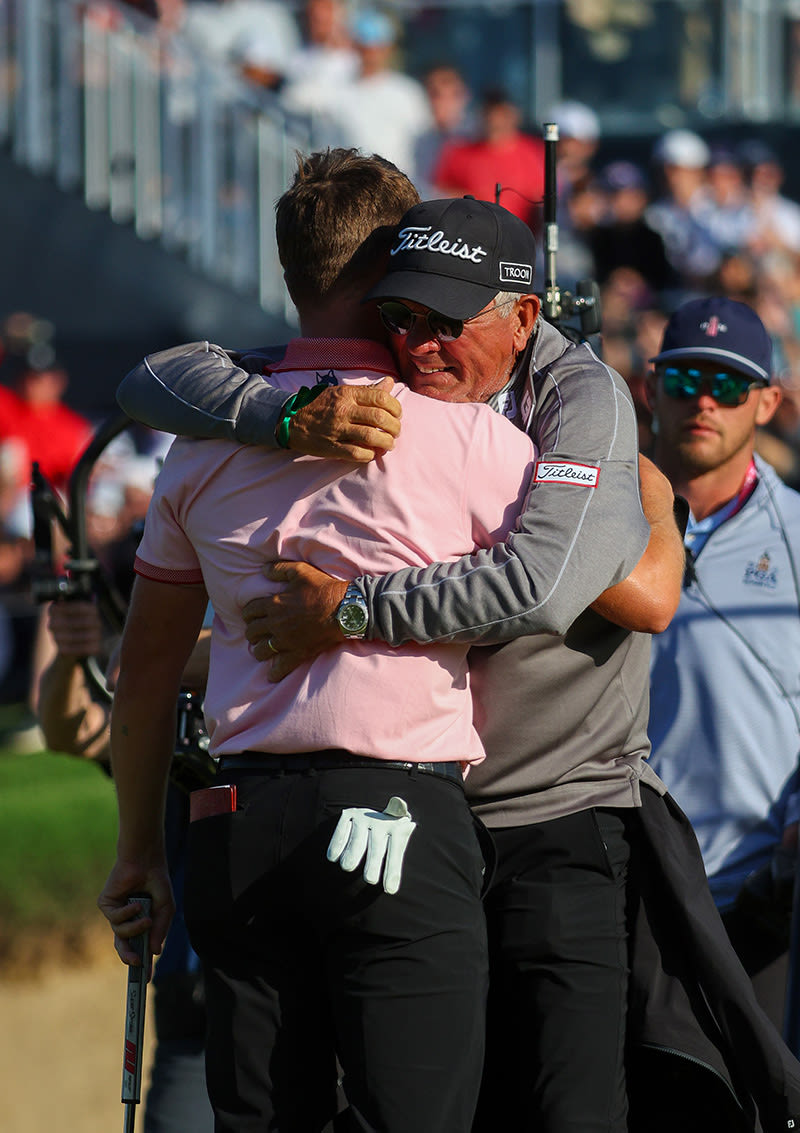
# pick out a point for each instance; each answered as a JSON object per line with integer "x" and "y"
{"x": 475, "y": 168}
{"x": 53, "y": 434}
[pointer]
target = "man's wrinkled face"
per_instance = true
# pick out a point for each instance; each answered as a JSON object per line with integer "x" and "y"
{"x": 471, "y": 367}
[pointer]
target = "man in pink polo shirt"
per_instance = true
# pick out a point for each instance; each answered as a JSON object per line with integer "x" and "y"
{"x": 303, "y": 961}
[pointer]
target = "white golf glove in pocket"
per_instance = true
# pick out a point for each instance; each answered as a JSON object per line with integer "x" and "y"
{"x": 380, "y": 835}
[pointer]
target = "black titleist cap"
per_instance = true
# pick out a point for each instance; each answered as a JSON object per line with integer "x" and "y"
{"x": 721, "y": 331}
{"x": 455, "y": 255}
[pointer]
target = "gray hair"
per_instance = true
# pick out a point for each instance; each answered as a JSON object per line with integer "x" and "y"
{"x": 507, "y": 298}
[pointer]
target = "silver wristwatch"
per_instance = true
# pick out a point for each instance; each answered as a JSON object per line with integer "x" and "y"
{"x": 352, "y": 613}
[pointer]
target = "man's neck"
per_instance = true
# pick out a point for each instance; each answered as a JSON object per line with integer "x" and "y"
{"x": 339, "y": 320}
{"x": 707, "y": 492}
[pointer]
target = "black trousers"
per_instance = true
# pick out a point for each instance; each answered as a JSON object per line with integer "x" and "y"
{"x": 304, "y": 963}
{"x": 558, "y": 984}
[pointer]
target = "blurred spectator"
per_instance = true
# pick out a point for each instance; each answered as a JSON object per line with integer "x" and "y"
{"x": 580, "y": 204}
{"x": 34, "y": 412}
{"x": 776, "y": 219}
{"x": 262, "y": 62}
{"x": 325, "y": 60}
{"x": 25, "y": 335}
{"x": 784, "y": 273}
{"x": 625, "y": 239}
{"x": 681, "y": 157}
{"x": 119, "y": 491}
{"x": 221, "y": 28}
{"x": 25, "y": 340}
{"x": 19, "y": 616}
{"x": 779, "y": 441}
{"x": 648, "y": 331}
{"x": 780, "y": 451}
{"x": 449, "y": 98}
{"x": 736, "y": 277}
{"x": 147, "y": 7}
{"x": 168, "y": 13}
{"x": 722, "y": 206}
{"x": 578, "y": 139}
{"x": 137, "y": 477}
{"x": 35, "y": 425}
{"x": 631, "y": 335}
{"x": 381, "y": 111}
{"x": 501, "y": 154}
{"x": 580, "y": 212}
{"x": 624, "y": 295}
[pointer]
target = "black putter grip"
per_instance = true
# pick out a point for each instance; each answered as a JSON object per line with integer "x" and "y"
{"x": 134, "y": 1012}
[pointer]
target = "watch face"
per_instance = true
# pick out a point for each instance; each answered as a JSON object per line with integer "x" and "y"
{"x": 353, "y": 618}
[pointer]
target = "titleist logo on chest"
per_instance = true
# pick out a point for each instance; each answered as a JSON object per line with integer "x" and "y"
{"x": 423, "y": 239}
{"x": 565, "y": 472}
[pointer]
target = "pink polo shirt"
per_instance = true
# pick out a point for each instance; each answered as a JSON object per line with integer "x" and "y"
{"x": 456, "y": 480}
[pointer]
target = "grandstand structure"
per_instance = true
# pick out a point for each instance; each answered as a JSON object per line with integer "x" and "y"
{"x": 94, "y": 96}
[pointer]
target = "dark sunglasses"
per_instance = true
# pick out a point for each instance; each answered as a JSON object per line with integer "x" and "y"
{"x": 726, "y": 388}
{"x": 399, "y": 319}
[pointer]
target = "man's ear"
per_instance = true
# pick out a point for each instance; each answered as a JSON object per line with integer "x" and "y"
{"x": 527, "y": 312}
{"x": 769, "y": 398}
{"x": 650, "y": 383}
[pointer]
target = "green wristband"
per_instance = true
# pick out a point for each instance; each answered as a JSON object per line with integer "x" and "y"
{"x": 296, "y": 402}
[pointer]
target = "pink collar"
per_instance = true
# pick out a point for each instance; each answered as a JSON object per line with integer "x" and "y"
{"x": 335, "y": 354}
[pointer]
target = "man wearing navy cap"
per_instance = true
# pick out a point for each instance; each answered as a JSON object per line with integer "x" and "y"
{"x": 725, "y": 698}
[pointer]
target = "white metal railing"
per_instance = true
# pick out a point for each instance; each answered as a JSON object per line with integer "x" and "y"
{"x": 92, "y": 95}
{"x": 95, "y": 95}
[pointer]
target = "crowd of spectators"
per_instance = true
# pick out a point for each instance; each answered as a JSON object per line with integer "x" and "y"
{"x": 698, "y": 219}
{"x": 698, "y": 215}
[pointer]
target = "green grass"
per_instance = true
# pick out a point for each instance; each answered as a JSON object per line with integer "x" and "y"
{"x": 57, "y": 838}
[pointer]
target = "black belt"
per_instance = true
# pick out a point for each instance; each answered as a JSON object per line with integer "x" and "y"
{"x": 331, "y": 760}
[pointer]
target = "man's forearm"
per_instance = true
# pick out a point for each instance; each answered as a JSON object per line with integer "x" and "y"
{"x": 647, "y": 599}
{"x": 70, "y": 719}
{"x": 197, "y": 390}
{"x": 200, "y": 390}
{"x": 142, "y": 744}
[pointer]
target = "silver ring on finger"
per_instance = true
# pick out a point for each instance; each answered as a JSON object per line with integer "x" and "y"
{"x": 271, "y": 645}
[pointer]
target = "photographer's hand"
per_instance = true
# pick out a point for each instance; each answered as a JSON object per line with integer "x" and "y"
{"x": 71, "y": 720}
{"x": 76, "y": 628}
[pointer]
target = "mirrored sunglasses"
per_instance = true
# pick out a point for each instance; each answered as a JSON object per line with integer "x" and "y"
{"x": 726, "y": 388}
{"x": 399, "y": 319}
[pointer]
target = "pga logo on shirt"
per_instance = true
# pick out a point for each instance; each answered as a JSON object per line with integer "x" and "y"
{"x": 761, "y": 573}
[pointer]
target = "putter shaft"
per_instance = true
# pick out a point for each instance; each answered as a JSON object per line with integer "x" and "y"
{"x": 135, "y": 1001}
